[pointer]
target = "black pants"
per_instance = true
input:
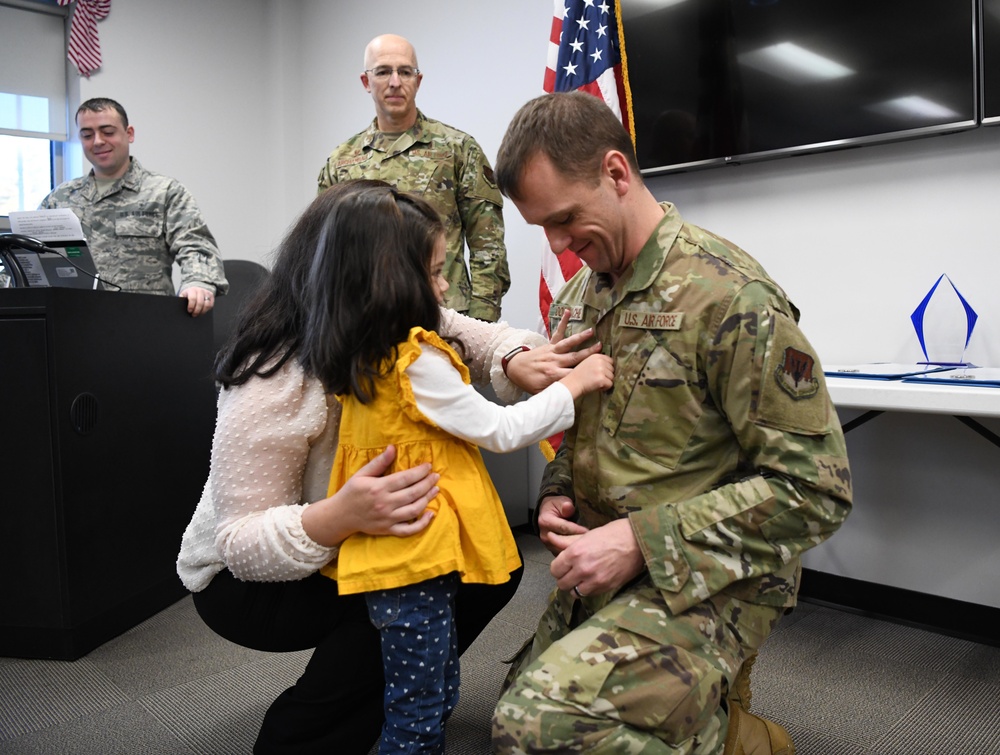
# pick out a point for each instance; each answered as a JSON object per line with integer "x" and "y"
{"x": 336, "y": 705}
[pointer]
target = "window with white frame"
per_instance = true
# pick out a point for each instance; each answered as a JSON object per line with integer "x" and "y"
{"x": 33, "y": 101}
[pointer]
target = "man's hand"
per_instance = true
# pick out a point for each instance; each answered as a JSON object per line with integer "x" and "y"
{"x": 555, "y": 517}
{"x": 601, "y": 560}
{"x": 200, "y": 300}
{"x": 538, "y": 368}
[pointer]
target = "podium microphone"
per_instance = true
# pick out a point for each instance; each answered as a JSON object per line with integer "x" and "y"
{"x": 8, "y": 240}
{"x": 25, "y": 242}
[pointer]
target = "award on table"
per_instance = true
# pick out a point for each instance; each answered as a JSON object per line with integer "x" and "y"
{"x": 944, "y": 322}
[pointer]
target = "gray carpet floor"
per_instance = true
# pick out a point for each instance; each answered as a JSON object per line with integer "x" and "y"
{"x": 842, "y": 684}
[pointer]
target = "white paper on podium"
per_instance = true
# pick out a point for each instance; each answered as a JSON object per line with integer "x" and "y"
{"x": 47, "y": 225}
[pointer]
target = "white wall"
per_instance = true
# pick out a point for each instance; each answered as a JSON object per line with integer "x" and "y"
{"x": 242, "y": 100}
{"x": 857, "y": 237}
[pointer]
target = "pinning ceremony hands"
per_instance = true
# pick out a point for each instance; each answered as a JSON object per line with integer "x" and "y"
{"x": 540, "y": 367}
{"x": 595, "y": 373}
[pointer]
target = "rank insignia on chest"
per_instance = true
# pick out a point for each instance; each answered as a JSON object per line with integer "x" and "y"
{"x": 631, "y": 318}
{"x": 795, "y": 374}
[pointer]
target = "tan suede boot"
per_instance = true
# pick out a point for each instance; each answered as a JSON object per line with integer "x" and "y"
{"x": 752, "y": 735}
{"x": 740, "y": 691}
{"x": 749, "y": 734}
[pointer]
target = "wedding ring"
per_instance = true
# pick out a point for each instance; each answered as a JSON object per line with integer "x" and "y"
{"x": 576, "y": 590}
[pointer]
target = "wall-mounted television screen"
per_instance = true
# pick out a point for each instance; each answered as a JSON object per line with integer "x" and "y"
{"x": 727, "y": 81}
{"x": 991, "y": 62}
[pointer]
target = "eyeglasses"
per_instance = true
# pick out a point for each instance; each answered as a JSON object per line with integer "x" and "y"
{"x": 384, "y": 73}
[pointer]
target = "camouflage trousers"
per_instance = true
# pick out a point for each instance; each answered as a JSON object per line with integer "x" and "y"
{"x": 628, "y": 676}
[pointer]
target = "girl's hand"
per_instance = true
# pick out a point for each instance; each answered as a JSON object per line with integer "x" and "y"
{"x": 595, "y": 373}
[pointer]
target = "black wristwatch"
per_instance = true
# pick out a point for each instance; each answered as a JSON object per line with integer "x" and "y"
{"x": 510, "y": 355}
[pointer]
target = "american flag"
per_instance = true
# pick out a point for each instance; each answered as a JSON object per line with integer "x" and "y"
{"x": 584, "y": 53}
{"x": 84, "y": 46}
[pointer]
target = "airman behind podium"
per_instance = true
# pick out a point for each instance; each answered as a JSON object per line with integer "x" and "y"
{"x": 136, "y": 222}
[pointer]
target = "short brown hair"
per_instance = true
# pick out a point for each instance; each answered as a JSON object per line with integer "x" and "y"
{"x": 99, "y": 104}
{"x": 574, "y": 130}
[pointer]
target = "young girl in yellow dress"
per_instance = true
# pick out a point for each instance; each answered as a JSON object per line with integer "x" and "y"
{"x": 375, "y": 291}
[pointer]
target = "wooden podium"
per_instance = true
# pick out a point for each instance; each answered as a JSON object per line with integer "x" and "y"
{"x": 107, "y": 414}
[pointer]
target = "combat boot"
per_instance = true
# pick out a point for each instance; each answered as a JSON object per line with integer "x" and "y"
{"x": 752, "y": 735}
{"x": 740, "y": 691}
{"x": 749, "y": 734}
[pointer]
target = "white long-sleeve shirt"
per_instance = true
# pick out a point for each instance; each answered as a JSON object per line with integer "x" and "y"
{"x": 461, "y": 410}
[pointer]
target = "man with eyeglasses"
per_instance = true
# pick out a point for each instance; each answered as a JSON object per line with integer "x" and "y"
{"x": 443, "y": 165}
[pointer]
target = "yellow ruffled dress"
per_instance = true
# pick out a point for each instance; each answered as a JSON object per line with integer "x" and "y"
{"x": 469, "y": 533}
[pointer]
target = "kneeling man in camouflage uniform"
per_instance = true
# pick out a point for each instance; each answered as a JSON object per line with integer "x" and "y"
{"x": 680, "y": 503}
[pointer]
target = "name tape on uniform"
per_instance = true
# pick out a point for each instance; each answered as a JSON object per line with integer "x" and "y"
{"x": 630, "y": 318}
{"x": 575, "y": 313}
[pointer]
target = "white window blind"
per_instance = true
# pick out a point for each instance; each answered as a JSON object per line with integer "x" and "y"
{"x": 33, "y": 71}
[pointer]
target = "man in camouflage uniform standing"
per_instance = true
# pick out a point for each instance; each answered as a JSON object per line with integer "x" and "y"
{"x": 680, "y": 502}
{"x": 441, "y": 164}
{"x": 136, "y": 222}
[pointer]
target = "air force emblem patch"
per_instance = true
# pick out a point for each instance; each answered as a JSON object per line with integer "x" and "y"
{"x": 795, "y": 374}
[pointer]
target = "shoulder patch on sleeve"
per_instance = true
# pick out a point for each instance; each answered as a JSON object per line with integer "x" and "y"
{"x": 794, "y": 374}
{"x": 792, "y": 390}
{"x": 489, "y": 177}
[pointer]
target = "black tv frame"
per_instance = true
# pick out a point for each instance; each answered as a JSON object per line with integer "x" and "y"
{"x": 989, "y": 62}
{"x": 965, "y": 120}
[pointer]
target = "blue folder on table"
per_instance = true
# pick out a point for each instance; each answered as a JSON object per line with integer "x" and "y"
{"x": 884, "y": 370}
{"x": 977, "y": 376}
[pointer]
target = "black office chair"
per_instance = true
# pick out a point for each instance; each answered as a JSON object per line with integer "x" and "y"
{"x": 244, "y": 277}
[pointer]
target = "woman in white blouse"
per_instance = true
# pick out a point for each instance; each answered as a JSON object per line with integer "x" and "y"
{"x": 264, "y": 526}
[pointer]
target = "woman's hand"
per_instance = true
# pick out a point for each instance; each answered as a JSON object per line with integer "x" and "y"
{"x": 538, "y": 368}
{"x": 374, "y": 503}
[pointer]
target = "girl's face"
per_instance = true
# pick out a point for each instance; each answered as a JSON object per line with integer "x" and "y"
{"x": 438, "y": 282}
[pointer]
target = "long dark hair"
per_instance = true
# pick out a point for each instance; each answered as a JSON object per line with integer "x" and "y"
{"x": 369, "y": 284}
{"x": 270, "y": 328}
